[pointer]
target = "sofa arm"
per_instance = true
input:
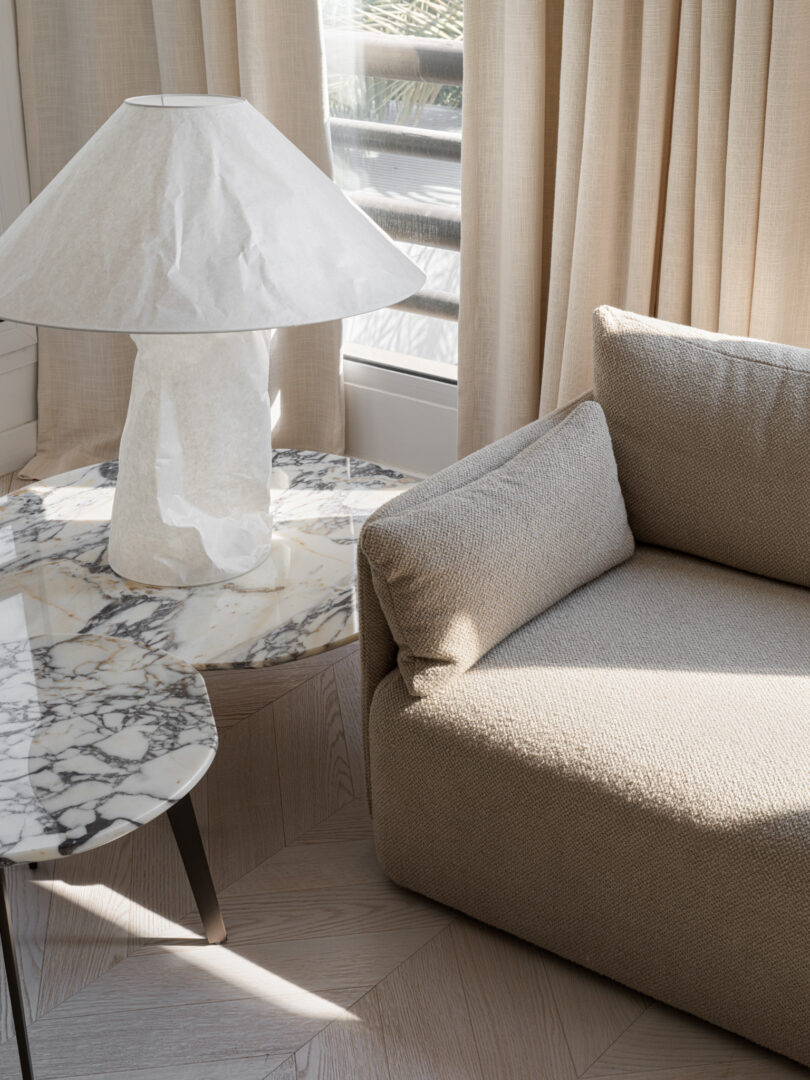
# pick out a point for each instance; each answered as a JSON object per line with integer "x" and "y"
{"x": 378, "y": 648}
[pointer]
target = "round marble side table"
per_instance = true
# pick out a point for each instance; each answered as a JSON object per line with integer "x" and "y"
{"x": 55, "y": 578}
{"x": 98, "y": 736}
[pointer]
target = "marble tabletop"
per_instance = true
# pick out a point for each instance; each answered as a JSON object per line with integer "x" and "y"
{"x": 55, "y": 579}
{"x": 97, "y": 737}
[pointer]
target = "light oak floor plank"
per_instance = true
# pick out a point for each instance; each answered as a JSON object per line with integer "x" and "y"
{"x": 313, "y": 757}
{"x": 343, "y": 1050}
{"x": 88, "y": 925}
{"x": 244, "y": 799}
{"x": 285, "y": 1071}
{"x": 350, "y": 822}
{"x": 252, "y": 1068}
{"x": 311, "y": 866}
{"x": 240, "y": 692}
{"x": 327, "y": 912}
{"x": 196, "y": 974}
{"x": 511, "y": 1005}
{"x": 182, "y": 1035}
{"x": 770, "y": 1068}
{"x": 347, "y": 679}
{"x": 593, "y": 1011}
{"x": 30, "y": 899}
{"x": 664, "y": 1038}
{"x": 426, "y": 1024}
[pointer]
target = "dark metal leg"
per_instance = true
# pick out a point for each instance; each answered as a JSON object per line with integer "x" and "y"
{"x": 14, "y": 985}
{"x": 184, "y": 825}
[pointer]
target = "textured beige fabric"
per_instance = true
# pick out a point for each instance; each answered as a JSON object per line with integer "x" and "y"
{"x": 712, "y": 439}
{"x": 649, "y": 155}
{"x": 624, "y": 781}
{"x": 457, "y": 574}
{"x": 78, "y": 62}
{"x": 378, "y": 650}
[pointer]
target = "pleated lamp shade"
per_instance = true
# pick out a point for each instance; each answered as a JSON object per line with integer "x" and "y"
{"x": 200, "y": 217}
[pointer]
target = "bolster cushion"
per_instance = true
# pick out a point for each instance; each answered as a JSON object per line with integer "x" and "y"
{"x": 712, "y": 440}
{"x": 459, "y": 573}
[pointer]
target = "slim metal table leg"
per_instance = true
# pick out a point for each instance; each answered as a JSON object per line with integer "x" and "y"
{"x": 14, "y": 984}
{"x": 184, "y": 825}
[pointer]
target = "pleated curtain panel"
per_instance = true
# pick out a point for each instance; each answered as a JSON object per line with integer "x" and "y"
{"x": 650, "y": 154}
{"x": 78, "y": 61}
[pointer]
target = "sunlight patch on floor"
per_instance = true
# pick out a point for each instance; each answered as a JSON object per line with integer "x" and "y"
{"x": 249, "y": 979}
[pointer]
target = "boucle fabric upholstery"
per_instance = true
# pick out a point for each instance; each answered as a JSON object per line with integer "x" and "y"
{"x": 554, "y": 510}
{"x": 378, "y": 650}
{"x": 712, "y": 440}
{"x": 624, "y": 781}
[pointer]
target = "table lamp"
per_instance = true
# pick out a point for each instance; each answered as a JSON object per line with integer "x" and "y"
{"x": 194, "y": 225}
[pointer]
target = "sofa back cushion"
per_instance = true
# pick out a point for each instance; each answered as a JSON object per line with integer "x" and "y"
{"x": 712, "y": 440}
{"x": 458, "y": 573}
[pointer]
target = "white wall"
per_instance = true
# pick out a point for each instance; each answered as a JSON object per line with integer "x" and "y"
{"x": 18, "y": 356}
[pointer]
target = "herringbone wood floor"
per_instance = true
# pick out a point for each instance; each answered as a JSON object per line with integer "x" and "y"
{"x": 330, "y": 971}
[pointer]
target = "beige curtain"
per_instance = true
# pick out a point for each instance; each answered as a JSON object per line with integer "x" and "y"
{"x": 651, "y": 154}
{"x": 78, "y": 61}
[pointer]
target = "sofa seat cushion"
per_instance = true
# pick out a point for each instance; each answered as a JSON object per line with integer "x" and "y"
{"x": 626, "y": 781}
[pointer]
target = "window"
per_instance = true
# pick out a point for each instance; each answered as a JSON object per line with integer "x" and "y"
{"x": 395, "y": 75}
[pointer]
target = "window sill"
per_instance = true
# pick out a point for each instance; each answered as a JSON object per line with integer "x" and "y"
{"x": 409, "y": 365}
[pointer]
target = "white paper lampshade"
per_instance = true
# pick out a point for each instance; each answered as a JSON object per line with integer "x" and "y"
{"x": 196, "y": 216}
{"x": 191, "y": 214}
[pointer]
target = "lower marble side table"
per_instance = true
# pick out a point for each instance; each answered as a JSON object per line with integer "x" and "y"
{"x": 55, "y": 579}
{"x": 98, "y": 736}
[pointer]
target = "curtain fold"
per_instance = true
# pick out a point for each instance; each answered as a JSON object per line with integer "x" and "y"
{"x": 78, "y": 62}
{"x": 679, "y": 132}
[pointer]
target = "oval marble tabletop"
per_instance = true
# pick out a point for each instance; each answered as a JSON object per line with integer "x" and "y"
{"x": 54, "y": 575}
{"x": 97, "y": 737}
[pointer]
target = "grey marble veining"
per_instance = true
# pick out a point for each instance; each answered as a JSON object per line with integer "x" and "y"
{"x": 97, "y": 737}
{"x": 54, "y": 575}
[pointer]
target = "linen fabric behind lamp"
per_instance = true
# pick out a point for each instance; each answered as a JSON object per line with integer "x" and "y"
{"x": 193, "y": 215}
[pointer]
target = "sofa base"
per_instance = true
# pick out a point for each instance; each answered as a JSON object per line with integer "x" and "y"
{"x": 667, "y": 849}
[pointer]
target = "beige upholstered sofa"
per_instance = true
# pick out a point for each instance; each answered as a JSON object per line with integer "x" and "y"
{"x": 595, "y": 737}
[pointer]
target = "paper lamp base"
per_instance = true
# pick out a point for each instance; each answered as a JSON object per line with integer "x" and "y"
{"x": 192, "y": 504}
